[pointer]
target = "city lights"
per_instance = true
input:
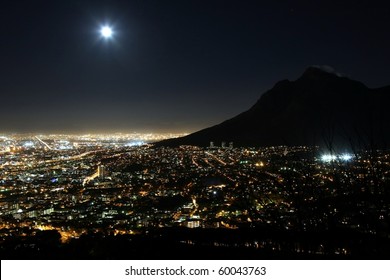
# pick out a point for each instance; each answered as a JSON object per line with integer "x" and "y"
{"x": 346, "y": 157}
{"x": 328, "y": 158}
{"x": 122, "y": 183}
{"x": 332, "y": 157}
{"x": 135, "y": 143}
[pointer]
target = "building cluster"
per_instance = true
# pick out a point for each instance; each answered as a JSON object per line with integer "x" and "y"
{"x": 82, "y": 185}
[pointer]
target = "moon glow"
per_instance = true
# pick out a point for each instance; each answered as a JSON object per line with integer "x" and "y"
{"x": 106, "y": 32}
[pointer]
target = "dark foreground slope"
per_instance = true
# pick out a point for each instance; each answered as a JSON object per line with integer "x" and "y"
{"x": 200, "y": 244}
{"x": 319, "y": 108}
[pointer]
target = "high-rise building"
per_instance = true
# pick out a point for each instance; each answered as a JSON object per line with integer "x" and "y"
{"x": 211, "y": 144}
{"x": 223, "y": 145}
{"x": 230, "y": 145}
{"x": 101, "y": 171}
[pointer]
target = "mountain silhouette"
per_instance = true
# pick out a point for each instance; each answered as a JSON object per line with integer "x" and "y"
{"x": 320, "y": 108}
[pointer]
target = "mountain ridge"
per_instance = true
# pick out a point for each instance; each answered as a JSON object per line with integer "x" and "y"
{"x": 319, "y": 108}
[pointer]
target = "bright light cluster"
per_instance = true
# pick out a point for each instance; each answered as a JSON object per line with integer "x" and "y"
{"x": 28, "y": 144}
{"x": 328, "y": 158}
{"x": 135, "y": 143}
{"x": 346, "y": 157}
{"x": 331, "y": 157}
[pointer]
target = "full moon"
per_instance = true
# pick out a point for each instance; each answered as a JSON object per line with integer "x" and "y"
{"x": 106, "y": 32}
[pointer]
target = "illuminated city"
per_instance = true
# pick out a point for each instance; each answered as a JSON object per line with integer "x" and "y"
{"x": 123, "y": 185}
{"x": 184, "y": 130}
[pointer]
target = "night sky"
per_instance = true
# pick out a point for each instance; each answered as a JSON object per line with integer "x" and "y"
{"x": 172, "y": 66}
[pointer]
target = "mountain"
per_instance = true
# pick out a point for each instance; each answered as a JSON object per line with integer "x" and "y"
{"x": 319, "y": 108}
